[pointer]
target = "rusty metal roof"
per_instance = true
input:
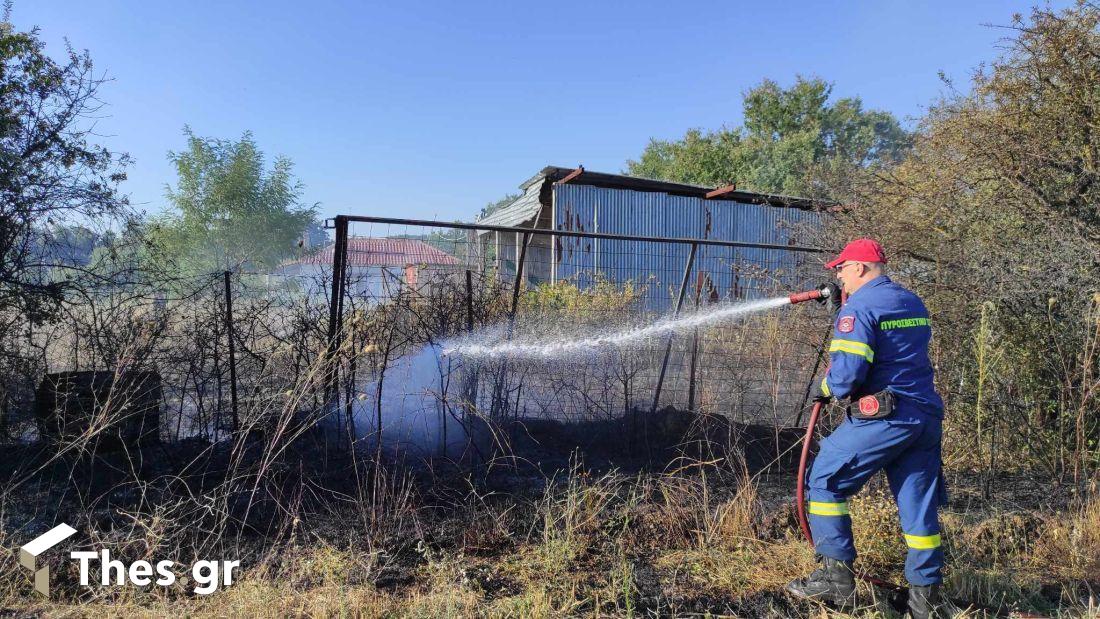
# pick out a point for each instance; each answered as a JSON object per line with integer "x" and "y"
{"x": 526, "y": 207}
{"x": 382, "y": 252}
{"x": 619, "y": 181}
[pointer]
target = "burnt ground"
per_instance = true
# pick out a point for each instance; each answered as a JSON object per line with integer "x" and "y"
{"x": 102, "y": 486}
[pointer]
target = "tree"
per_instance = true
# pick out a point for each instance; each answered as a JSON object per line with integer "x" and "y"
{"x": 229, "y": 211}
{"x": 792, "y": 139}
{"x": 51, "y": 177}
{"x": 993, "y": 217}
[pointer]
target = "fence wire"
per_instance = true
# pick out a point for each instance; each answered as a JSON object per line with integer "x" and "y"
{"x": 415, "y": 296}
{"x": 389, "y": 375}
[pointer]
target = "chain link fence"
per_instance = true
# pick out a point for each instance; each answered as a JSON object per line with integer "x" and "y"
{"x": 453, "y": 340}
{"x": 467, "y": 340}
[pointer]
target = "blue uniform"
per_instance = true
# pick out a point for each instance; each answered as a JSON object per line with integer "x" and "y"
{"x": 880, "y": 342}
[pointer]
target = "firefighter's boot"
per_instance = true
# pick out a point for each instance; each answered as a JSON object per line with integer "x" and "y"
{"x": 833, "y": 582}
{"x": 927, "y": 602}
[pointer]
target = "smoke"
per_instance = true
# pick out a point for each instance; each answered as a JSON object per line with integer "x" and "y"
{"x": 496, "y": 344}
{"x": 416, "y": 411}
{"x": 416, "y": 415}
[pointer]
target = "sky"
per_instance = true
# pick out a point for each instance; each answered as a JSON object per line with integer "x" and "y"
{"x": 431, "y": 110}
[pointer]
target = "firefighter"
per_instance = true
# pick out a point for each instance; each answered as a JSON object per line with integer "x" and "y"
{"x": 879, "y": 366}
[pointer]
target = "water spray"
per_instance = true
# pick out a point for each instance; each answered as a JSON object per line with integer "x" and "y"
{"x": 539, "y": 349}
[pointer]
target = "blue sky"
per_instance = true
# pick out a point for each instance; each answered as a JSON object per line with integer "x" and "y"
{"x": 432, "y": 109}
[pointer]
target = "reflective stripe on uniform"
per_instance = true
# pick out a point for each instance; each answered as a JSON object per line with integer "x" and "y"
{"x": 853, "y": 347}
{"x": 818, "y": 508}
{"x": 923, "y": 542}
{"x": 825, "y": 388}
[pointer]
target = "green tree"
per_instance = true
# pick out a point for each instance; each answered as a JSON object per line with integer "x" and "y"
{"x": 792, "y": 139}
{"x": 994, "y": 217}
{"x": 228, "y": 210}
{"x": 495, "y": 206}
{"x": 51, "y": 177}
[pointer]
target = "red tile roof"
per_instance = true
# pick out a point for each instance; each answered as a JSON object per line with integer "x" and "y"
{"x": 376, "y": 252}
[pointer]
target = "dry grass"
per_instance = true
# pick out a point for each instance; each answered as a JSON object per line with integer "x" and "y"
{"x": 611, "y": 545}
{"x": 1071, "y": 546}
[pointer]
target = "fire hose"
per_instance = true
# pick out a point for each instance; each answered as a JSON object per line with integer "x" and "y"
{"x": 800, "y": 500}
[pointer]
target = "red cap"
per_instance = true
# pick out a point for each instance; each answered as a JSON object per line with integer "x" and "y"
{"x": 860, "y": 250}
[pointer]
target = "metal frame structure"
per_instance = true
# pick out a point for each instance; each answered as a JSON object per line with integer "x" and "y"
{"x": 340, "y": 224}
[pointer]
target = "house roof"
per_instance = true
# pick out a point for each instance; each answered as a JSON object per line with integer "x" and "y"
{"x": 527, "y": 206}
{"x": 382, "y": 252}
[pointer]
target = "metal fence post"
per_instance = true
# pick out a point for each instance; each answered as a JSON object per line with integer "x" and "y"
{"x": 519, "y": 280}
{"x": 215, "y": 342}
{"x": 701, "y": 280}
{"x": 813, "y": 375}
{"x": 232, "y": 350}
{"x": 472, "y": 379}
{"x": 336, "y": 307}
{"x": 469, "y": 301}
{"x": 691, "y": 368}
{"x": 668, "y": 351}
{"x": 494, "y": 252}
{"x": 500, "y": 391}
{"x": 668, "y": 345}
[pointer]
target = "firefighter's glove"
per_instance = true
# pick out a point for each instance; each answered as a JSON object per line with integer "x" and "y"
{"x": 832, "y": 298}
{"x": 821, "y": 393}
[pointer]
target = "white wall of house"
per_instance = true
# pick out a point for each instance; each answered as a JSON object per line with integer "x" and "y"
{"x": 372, "y": 284}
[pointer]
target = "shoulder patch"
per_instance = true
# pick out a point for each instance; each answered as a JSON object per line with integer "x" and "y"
{"x": 846, "y": 324}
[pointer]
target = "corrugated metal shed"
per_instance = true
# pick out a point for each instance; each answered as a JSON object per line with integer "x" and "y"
{"x": 616, "y": 204}
{"x": 729, "y": 273}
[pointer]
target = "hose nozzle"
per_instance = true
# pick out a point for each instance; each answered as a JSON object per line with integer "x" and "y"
{"x": 822, "y": 293}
